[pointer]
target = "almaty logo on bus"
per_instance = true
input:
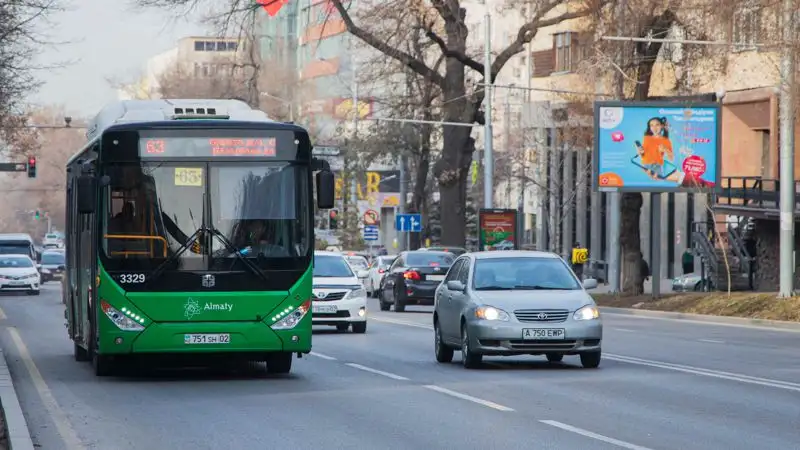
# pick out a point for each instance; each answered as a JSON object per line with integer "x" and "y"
{"x": 192, "y": 307}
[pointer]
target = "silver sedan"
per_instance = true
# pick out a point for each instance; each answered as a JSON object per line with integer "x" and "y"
{"x": 515, "y": 303}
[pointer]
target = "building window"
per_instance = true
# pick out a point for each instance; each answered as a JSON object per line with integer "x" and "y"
{"x": 199, "y": 46}
{"x": 211, "y": 46}
{"x": 233, "y": 46}
{"x": 222, "y": 46}
{"x": 564, "y": 52}
{"x": 746, "y": 26}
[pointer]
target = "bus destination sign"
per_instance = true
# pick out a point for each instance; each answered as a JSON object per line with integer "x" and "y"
{"x": 187, "y": 147}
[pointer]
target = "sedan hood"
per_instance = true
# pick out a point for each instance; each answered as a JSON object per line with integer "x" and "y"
{"x": 528, "y": 299}
{"x": 335, "y": 281}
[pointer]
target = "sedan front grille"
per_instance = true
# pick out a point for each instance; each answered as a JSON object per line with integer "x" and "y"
{"x": 331, "y": 297}
{"x": 541, "y": 315}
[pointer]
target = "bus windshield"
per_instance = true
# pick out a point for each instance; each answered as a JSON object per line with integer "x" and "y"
{"x": 152, "y": 208}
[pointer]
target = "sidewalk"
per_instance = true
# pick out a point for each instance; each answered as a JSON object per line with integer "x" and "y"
{"x": 666, "y": 287}
{"x": 17, "y": 434}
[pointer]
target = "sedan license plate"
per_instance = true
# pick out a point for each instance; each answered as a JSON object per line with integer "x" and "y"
{"x": 207, "y": 338}
{"x": 543, "y": 333}
{"x": 324, "y": 309}
{"x": 435, "y": 277}
{"x": 17, "y": 282}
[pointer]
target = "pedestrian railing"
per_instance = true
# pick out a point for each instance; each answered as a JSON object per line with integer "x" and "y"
{"x": 752, "y": 192}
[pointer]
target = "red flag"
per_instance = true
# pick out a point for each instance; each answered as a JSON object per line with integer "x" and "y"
{"x": 272, "y": 6}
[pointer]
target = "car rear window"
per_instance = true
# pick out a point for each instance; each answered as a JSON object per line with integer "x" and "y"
{"x": 429, "y": 259}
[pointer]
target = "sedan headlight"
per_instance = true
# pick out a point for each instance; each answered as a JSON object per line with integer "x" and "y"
{"x": 491, "y": 313}
{"x": 588, "y": 312}
{"x": 31, "y": 275}
{"x": 356, "y": 293}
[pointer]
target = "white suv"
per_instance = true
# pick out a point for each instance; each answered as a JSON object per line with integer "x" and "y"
{"x": 338, "y": 298}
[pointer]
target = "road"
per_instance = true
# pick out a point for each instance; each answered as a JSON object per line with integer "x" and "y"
{"x": 662, "y": 385}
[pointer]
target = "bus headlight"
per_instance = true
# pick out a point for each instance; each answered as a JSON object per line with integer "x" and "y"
{"x": 122, "y": 321}
{"x": 290, "y": 319}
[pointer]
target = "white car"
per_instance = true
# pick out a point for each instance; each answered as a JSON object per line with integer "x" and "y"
{"x": 338, "y": 298}
{"x": 377, "y": 270}
{"x": 52, "y": 240}
{"x": 19, "y": 273}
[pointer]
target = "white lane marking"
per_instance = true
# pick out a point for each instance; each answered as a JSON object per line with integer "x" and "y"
{"x": 64, "y": 428}
{"x": 320, "y": 355}
{"x": 713, "y": 341}
{"x": 596, "y": 436}
{"x": 2, "y": 314}
{"x": 377, "y": 372}
{"x": 468, "y": 398}
{"x": 626, "y": 330}
{"x": 789, "y": 386}
{"x": 402, "y": 322}
{"x": 704, "y": 323}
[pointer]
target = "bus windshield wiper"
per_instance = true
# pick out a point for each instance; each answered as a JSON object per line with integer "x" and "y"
{"x": 174, "y": 257}
{"x": 231, "y": 248}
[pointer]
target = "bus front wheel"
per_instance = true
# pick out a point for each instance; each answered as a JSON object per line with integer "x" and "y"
{"x": 279, "y": 362}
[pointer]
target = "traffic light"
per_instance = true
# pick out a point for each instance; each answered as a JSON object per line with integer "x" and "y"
{"x": 36, "y": 215}
{"x": 31, "y": 167}
{"x": 334, "y": 219}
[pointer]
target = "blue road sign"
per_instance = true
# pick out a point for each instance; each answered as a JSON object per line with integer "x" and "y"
{"x": 408, "y": 222}
{"x": 371, "y": 232}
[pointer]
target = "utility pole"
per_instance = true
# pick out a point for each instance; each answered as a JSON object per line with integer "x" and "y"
{"x": 488, "y": 157}
{"x": 354, "y": 157}
{"x": 526, "y": 144}
{"x": 615, "y": 207}
{"x": 787, "y": 187}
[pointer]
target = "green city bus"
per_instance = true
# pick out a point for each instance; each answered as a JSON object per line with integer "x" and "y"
{"x": 190, "y": 234}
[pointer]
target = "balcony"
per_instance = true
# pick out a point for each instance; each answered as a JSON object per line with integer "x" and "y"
{"x": 752, "y": 197}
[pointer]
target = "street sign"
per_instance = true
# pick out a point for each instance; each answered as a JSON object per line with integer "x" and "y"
{"x": 371, "y": 217}
{"x": 13, "y": 167}
{"x": 408, "y": 222}
{"x": 371, "y": 232}
{"x": 322, "y": 150}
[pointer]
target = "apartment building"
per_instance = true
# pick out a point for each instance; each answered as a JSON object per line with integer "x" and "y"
{"x": 743, "y": 80}
{"x": 194, "y": 56}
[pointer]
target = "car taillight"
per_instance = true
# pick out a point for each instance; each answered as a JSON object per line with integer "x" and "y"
{"x": 412, "y": 275}
{"x": 381, "y": 271}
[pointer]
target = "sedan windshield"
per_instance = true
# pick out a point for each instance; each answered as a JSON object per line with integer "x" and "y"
{"x": 357, "y": 262}
{"x": 53, "y": 258}
{"x": 429, "y": 259}
{"x": 523, "y": 273}
{"x": 328, "y": 266}
{"x": 15, "y": 263}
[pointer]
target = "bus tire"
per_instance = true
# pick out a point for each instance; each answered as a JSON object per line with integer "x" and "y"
{"x": 80, "y": 353}
{"x": 280, "y": 362}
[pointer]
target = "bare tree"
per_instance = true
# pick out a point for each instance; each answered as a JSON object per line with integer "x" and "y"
{"x": 53, "y": 145}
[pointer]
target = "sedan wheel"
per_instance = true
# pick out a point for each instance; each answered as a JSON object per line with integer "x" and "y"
{"x": 590, "y": 360}
{"x": 444, "y": 354}
{"x": 469, "y": 359}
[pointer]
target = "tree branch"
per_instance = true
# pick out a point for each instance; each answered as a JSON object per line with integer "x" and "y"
{"x": 373, "y": 41}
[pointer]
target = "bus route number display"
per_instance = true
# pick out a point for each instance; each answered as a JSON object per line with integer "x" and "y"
{"x": 187, "y": 147}
{"x": 188, "y": 176}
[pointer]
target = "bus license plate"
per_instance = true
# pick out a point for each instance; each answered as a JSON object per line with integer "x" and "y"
{"x": 206, "y": 338}
{"x": 543, "y": 333}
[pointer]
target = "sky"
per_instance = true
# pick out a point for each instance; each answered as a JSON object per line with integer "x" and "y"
{"x": 98, "y": 40}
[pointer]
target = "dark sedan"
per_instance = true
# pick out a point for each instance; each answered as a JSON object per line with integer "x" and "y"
{"x": 413, "y": 278}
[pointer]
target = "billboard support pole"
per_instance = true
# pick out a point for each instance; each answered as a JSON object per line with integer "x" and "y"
{"x": 787, "y": 188}
{"x": 614, "y": 250}
{"x": 655, "y": 242}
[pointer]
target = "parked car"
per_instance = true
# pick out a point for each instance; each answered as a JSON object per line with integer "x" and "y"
{"x": 19, "y": 273}
{"x": 377, "y": 270}
{"x": 412, "y": 279}
{"x": 507, "y": 303}
{"x": 338, "y": 298}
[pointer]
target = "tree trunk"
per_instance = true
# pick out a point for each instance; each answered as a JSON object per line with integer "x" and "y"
{"x": 421, "y": 179}
{"x": 630, "y": 241}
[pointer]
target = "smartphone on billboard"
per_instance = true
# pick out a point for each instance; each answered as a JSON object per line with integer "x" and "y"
{"x": 666, "y": 170}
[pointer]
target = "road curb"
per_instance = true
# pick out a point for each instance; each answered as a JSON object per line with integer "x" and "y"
{"x": 19, "y": 436}
{"x": 724, "y": 320}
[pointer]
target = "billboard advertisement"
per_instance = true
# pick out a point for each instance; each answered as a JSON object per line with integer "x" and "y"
{"x": 497, "y": 229}
{"x": 656, "y": 146}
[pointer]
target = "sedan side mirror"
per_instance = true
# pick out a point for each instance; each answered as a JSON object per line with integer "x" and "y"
{"x": 589, "y": 283}
{"x": 455, "y": 285}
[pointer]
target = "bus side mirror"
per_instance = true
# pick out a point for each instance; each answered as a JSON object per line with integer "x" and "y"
{"x": 87, "y": 194}
{"x": 326, "y": 188}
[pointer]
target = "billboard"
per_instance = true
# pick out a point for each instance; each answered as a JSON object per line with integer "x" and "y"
{"x": 656, "y": 146}
{"x": 497, "y": 229}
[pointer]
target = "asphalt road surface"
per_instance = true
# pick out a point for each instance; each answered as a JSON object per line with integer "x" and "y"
{"x": 662, "y": 385}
